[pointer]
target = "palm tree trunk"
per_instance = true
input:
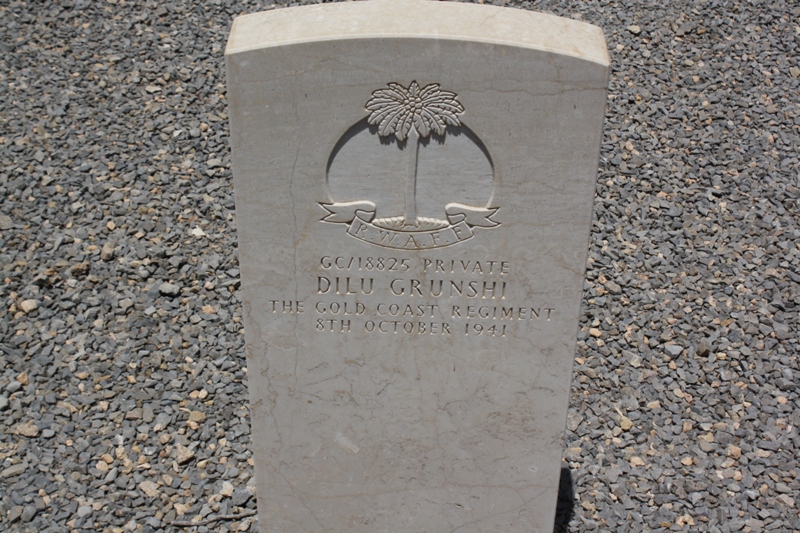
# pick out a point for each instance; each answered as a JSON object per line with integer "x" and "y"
{"x": 410, "y": 217}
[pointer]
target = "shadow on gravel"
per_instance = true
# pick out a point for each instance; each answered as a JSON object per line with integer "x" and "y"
{"x": 566, "y": 502}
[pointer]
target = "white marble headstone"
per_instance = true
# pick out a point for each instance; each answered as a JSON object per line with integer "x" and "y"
{"x": 414, "y": 185}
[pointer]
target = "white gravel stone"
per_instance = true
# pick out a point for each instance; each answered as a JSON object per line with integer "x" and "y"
{"x": 28, "y": 306}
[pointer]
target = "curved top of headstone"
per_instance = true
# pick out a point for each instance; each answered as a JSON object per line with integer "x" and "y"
{"x": 416, "y": 19}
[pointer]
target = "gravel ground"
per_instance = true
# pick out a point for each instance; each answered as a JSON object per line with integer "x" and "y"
{"x": 123, "y": 403}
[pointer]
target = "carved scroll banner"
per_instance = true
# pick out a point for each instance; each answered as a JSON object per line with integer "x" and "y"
{"x": 460, "y": 220}
{"x": 414, "y": 184}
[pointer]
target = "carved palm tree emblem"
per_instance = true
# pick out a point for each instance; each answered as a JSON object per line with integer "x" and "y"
{"x": 411, "y": 114}
{"x": 462, "y": 168}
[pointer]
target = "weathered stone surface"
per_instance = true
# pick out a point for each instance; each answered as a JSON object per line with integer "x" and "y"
{"x": 107, "y": 251}
{"x": 28, "y": 306}
{"x": 413, "y": 211}
{"x": 149, "y": 488}
{"x": 183, "y": 454}
{"x": 197, "y": 416}
{"x": 27, "y": 429}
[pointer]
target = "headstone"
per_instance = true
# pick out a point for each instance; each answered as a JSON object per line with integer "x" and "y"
{"x": 414, "y": 184}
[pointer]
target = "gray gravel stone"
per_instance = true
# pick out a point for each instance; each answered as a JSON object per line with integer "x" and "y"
{"x": 169, "y": 289}
{"x": 14, "y": 514}
{"x": 13, "y": 470}
{"x": 115, "y": 132}
{"x": 28, "y": 512}
{"x": 241, "y": 497}
{"x": 673, "y": 349}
